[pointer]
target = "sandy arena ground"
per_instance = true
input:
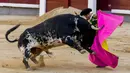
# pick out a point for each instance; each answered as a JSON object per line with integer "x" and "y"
{"x": 65, "y": 59}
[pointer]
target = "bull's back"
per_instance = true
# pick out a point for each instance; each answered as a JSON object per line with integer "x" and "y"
{"x": 60, "y": 25}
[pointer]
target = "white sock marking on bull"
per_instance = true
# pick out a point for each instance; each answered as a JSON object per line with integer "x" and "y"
{"x": 22, "y": 49}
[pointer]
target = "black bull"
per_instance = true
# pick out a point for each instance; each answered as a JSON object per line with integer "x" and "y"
{"x": 68, "y": 29}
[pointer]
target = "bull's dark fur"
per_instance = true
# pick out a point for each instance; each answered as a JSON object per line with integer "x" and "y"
{"x": 72, "y": 30}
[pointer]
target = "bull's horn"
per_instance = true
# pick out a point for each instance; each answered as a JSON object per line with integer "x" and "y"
{"x": 94, "y": 28}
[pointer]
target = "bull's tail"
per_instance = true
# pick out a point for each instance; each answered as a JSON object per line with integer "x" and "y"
{"x": 9, "y": 31}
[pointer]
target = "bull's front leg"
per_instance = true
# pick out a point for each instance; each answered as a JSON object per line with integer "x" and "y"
{"x": 73, "y": 42}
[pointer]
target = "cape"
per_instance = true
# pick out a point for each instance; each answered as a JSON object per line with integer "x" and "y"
{"x": 103, "y": 57}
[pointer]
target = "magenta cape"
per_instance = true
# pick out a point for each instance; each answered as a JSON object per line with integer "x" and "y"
{"x": 103, "y": 57}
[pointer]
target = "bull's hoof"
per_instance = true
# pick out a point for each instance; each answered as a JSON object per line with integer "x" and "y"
{"x": 83, "y": 51}
{"x": 100, "y": 66}
{"x": 41, "y": 64}
{"x": 29, "y": 69}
